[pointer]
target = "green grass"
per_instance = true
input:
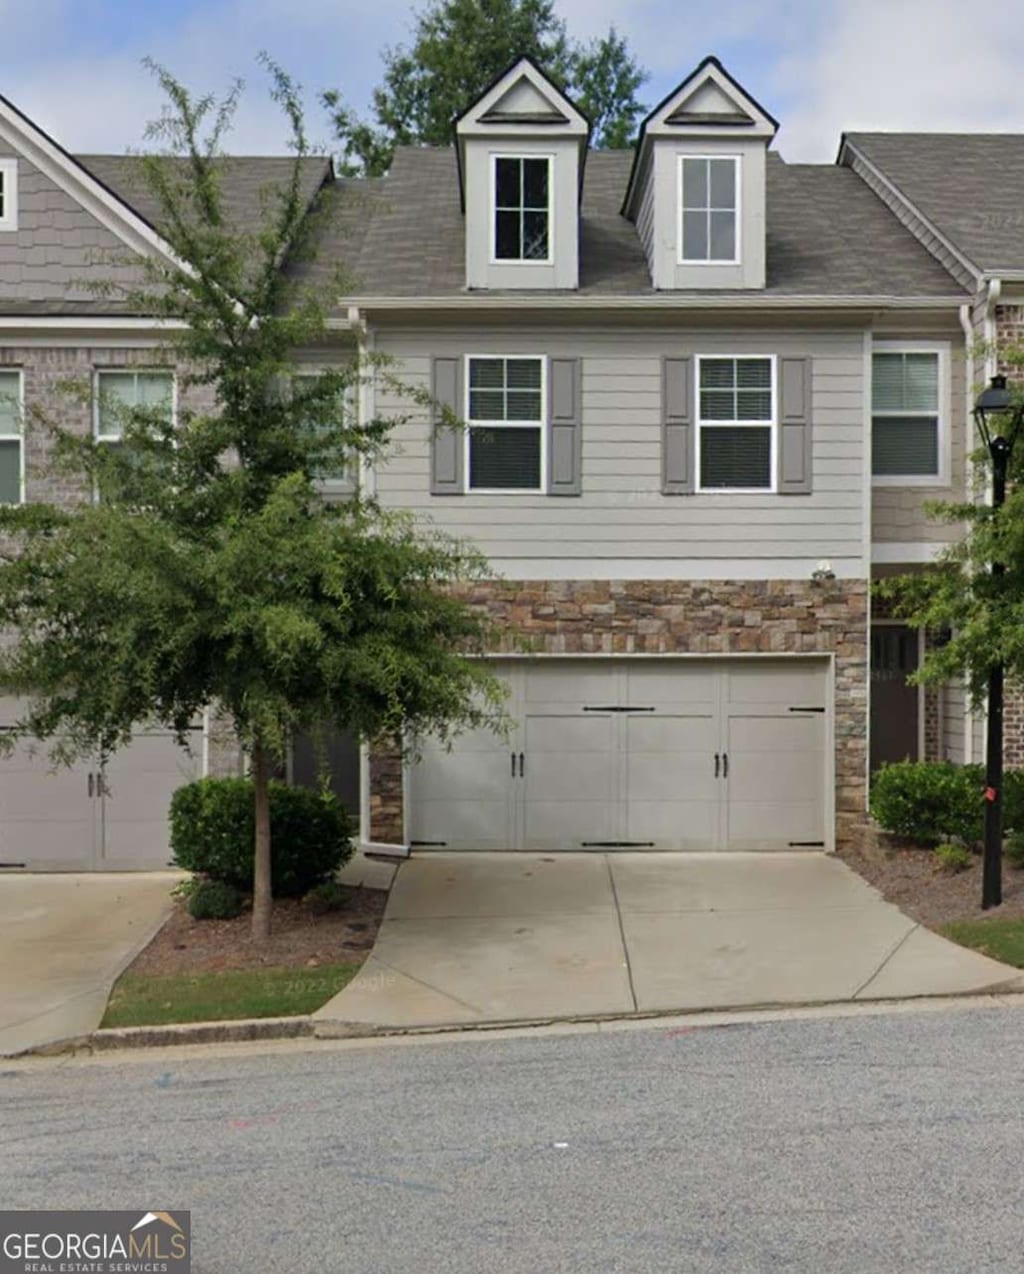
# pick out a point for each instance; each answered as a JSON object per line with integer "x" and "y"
{"x": 1000, "y": 939}
{"x": 137, "y": 1000}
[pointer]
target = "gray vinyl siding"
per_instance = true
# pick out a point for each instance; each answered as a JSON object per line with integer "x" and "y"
{"x": 58, "y": 246}
{"x": 898, "y": 512}
{"x": 645, "y": 215}
{"x": 903, "y": 211}
{"x": 622, "y": 513}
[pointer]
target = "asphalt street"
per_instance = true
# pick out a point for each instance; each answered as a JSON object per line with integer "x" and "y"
{"x": 888, "y": 1143}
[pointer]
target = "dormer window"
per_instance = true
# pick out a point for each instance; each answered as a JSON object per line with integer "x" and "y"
{"x": 8, "y": 194}
{"x": 522, "y": 208}
{"x": 708, "y": 198}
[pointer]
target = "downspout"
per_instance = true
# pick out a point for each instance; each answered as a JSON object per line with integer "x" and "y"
{"x": 366, "y": 399}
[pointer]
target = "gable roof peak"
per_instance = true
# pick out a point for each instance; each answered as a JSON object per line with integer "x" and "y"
{"x": 522, "y": 96}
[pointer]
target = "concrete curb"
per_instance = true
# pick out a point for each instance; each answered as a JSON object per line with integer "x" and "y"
{"x": 292, "y": 1028}
{"x": 129, "y": 1037}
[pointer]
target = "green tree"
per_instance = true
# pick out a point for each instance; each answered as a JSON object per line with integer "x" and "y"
{"x": 210, "y": 570}
{"x": 459, "y": 47}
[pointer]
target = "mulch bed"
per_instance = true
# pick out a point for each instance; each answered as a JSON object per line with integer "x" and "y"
{"x": 908, "y": 876}
{"x": 299, "y": 938}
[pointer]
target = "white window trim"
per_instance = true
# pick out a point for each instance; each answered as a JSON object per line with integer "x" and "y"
{"x": 99, "y": 372}
{"x": 542, "y": 425}
{"x": 736, "y": 258}
{"x": 942, "y": 348}
{"x": 9, "y": 172}
{"x": 20, "y": 436}
{"x": 517, "y": 262}
{"x": 772, "y": 425}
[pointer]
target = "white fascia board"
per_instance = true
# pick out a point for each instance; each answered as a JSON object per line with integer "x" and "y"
{"x": 88, "y": 322}
{"x": 675, "y": 301}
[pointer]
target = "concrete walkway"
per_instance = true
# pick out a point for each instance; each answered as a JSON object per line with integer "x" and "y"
{"x": 64, "y": 939}
{"x": 475, "y": 938}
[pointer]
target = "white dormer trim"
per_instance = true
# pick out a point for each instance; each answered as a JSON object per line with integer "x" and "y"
{"x": 485, "y": 117}
{"x": 521, "y": 115}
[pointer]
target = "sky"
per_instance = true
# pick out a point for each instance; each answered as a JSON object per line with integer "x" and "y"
{"x": 819, "y": 66}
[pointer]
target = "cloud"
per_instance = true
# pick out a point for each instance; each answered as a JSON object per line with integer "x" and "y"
{"x": 902, "y": 65}
{"x": 820, "y": 66}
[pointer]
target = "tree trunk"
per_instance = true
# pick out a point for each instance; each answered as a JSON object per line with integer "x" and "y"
{"x": 262, "y": 895}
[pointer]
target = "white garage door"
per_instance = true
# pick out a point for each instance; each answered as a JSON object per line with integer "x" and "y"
{"x": 643, "y": 754}
{"x": 81, "y": 818}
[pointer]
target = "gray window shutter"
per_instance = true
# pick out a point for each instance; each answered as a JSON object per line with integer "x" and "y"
{"x": 677, "y": 449}
{"x": 565, "y": 426}
{"x": 795, "y": 460}
{"x": 447, "y": 445}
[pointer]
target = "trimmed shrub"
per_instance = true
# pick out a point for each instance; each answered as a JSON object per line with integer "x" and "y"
{"x": 927, "y": 802}
{"x": 213, "y": 827}
{"x": 952, "y": 858}
{"x": 1013, "y": 801}
{"x": 214, "y": 900}
{"x": 1013, "y": 850}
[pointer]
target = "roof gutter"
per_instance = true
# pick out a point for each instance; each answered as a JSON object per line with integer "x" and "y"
{"x": 670, "y": 301}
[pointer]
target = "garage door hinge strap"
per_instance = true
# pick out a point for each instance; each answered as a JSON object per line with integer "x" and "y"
{"x": 616, "y": 708}
{"x": 807, "y": 709}
{"x": 428, "y": 844}
{"x": 806, "y": 844}
{"x": 617, "y": 844}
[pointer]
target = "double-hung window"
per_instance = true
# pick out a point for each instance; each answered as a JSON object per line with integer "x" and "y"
{"x": 736, "y": 423}
{"x": 522, "y": 208}
{"x": 11, "y": 438}
{"x": 906, "y": 416}
{"x": 505, "y": 424}
{"x": 709, "y": 207}
{"x": 8, "y": 194}
{"x": 118, "y": 393}
{"x": 337, "y": 472}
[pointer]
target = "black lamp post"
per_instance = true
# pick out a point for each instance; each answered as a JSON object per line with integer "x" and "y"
{"x": 999, "y": 422}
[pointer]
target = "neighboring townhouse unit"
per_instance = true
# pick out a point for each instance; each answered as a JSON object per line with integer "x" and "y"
{"x": 706, "y": 394}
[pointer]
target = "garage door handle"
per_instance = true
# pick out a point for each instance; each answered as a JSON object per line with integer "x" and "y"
{"x": 725, "y": 765}
{"x": 513, "y": 756}
{"x": 90, "y": 783}
{"x": 522, "y": 764}
{"x": 718, "y": 762}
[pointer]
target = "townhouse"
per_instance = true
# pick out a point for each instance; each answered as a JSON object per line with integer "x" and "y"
{"x": 706, "y": 395}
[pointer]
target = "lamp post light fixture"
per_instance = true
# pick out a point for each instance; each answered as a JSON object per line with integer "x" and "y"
{"x": 999, "y": 422}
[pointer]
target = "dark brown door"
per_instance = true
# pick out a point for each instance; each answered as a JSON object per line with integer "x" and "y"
{"x": 894, "y": 703}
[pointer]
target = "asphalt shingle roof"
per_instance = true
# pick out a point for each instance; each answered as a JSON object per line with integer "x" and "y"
{"x": 244, "y": 183}
{"x": 970, "y": 186}
{"x": 828, "y": 234}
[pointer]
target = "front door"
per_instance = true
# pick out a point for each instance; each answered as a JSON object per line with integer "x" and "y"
{"x": 895, "y": 654}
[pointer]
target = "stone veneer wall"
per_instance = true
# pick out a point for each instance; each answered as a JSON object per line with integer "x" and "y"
{"x": 686, "y": 617}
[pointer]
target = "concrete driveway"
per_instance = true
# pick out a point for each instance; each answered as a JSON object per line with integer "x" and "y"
{"x": 476, "y": 938}
{"x": 64, "y": 939}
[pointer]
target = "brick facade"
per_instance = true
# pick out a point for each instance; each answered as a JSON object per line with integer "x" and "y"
{"x": 1010, "y": 331}
{"x": 684, "y": 617}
